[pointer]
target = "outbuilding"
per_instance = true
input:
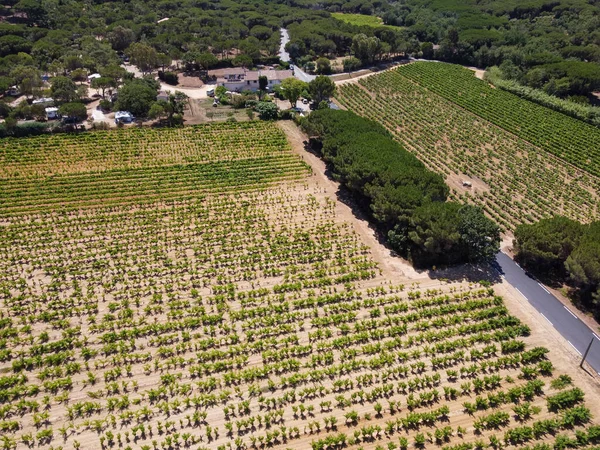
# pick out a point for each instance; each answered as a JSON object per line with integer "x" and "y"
{"x": 123, "y": 117}
{"x": 52, "y": 113}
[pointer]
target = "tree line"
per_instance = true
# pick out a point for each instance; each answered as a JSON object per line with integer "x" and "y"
{"x": 560, "y": 250}
{"x": 405, "y": 200}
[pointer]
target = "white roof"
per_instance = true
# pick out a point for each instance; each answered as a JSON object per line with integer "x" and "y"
{"x": 122, "y": 114}
{"x": 51, "y": 109}
{"x": 162, "y": 20}
{"x": 43, "y": 100}
{"x": 94, "y": 75}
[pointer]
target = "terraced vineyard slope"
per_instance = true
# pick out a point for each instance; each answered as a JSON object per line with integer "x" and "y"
{"x": 249, "y": 316}
{"x": 513, "y": 180}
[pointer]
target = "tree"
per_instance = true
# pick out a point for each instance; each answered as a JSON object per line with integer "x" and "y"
{"x": 170, "y": 109}
{"x": 292, "y": 89}
{"x": 143, "y": 56}
{"x": 74, "y": 110}
{"x": 103, "y": 83}
{"x": 480, "y": 237}
{"x": 321, "y": 88}
{"x": 206, "y": 60}
{"x": 63, "y": 90}
{"x": 158, "y": 110}
{"x": 28, "y": 79}
{"x": 263, "y": 83}
{"x": 120, "y": 38}
{"x": 365, "y": 48}
{"x": 243, "y": 61}
{"x": 433, "y": 235}
{"x": 427, "y": 50}
{"x": 351, "y": 64}
{"x": 583, "y": 264}
{"x": 137, "y": 96}
{"x": 544, "y": 246}
{"x": 323, "y": 66}
{"x": 34, "y": 9}
{"x": 115, "y": 72}
{"x": 267, "y": 110}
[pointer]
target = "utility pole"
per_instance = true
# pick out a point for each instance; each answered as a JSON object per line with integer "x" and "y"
{"x": 586, "y": 353}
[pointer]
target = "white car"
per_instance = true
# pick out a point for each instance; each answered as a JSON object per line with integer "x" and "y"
{"x": 305, "y": 101}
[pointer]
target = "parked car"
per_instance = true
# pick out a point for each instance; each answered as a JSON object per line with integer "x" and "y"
{"x": 210, "y": 92}
{"x": 305, "y": 101}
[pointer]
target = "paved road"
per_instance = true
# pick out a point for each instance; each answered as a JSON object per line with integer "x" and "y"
{"x": 285, "y": 38}
{"x": 568, "y": 325}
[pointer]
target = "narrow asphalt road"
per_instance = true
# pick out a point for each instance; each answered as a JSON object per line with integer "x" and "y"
{"x": 577, "y": 333}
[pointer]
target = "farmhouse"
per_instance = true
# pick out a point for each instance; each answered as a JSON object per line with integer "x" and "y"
{"x": 237, "y": 80}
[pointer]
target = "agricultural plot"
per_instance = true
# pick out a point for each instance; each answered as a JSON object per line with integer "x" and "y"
{"x": 362, "y": 20}
{"x": 570, "y": 139}
{"x": 513, "y": 180}
{"x": 247, "y": 318}
{"x": 133, "y": 165}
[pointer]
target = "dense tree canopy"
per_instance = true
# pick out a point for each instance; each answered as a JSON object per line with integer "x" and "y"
{"x": 404, "y": 198}
{"x": 137, "y": 96}
{"x": 552, "y": 45}
{"x": 561, "y": 250}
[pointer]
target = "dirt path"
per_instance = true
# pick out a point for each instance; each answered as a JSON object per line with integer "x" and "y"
{"x": 562, "y": 355}
{"x": 391, "y": 266}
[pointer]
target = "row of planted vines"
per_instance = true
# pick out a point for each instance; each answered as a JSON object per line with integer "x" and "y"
{"x": 515, "y": 182}
{"x": 135, "y": 165}
{"x": 568, "y": 138}
{"x": 255, "y": 319}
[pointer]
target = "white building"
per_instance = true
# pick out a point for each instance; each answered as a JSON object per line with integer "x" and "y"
{"x": 248, "y": 80}
{"x": 47, "y": 101}
{"x": 93, "y": 76}
{"x": 52, "y": 113}
{"x": 123, "y": 117}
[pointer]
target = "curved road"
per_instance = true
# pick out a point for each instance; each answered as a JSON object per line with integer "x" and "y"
{"x": 577, "y": 333}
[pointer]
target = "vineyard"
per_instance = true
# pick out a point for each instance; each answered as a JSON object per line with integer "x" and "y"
{"x": 245, "y": 316}
{"x": 570, "y": 139}
{"x": 513, "y": 180}
{"x": 133, "y": 165}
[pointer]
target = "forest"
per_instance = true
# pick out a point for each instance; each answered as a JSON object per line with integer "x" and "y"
{"x": 547, "y": 44}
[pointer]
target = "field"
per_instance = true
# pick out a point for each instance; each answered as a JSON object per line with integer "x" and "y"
{"x": 512, "y": 179}
{"x": 570, "y": 139}
{"x": 361, "y": 20}
{"x": 242, "y": 314}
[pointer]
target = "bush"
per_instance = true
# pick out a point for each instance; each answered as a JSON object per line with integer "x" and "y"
{"x": 169, "y": 77}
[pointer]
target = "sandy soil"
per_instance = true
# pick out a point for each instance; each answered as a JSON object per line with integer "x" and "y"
{"x": 562, "y": 355}
{"x": 392, "y": 266}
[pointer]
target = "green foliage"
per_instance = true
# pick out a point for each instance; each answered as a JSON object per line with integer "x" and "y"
{"x": 292, "y": 88}
{"x": 266, "y": 110}
{"x": 63, "y": 90}
{"x": 137, "y": 97}
{"x": 583, "y": 264}
{"x": 321, "y": 88}
{"x": 74, "y": 110}
{"x": 565, "y": 399}
{"x": 544, "y": 246}
{"x": 403, "y": 197}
